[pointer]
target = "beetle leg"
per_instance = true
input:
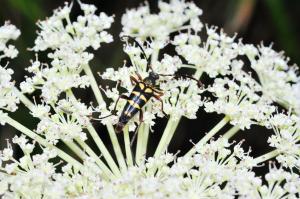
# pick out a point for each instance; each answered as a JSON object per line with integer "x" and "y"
{"x": 133, "y": 80}
{"x": 141, "y": 118}
{"x": 162, "y": 105}
{"x": 115, "y": 107}
{"x": 134, "y": 135}
{"x": 158, "y": 91}
{"x": 114, "y": 111}
{"x": 139, "y": 76}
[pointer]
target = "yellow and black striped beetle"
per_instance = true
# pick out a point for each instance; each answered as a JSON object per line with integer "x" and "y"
{"x": 144, "y": 89}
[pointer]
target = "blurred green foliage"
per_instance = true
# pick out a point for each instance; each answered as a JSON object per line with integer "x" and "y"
{"x": 286, "y": 34}
{"x": 32, "y": 10}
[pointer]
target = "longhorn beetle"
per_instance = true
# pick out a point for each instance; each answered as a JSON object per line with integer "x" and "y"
{"x": 143, "y": 90}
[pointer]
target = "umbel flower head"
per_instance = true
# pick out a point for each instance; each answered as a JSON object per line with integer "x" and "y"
{"x": 64, "y": 156}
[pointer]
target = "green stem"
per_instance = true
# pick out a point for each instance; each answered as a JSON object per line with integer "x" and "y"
{"x": 142, "y": 142}
{"x": 127, "y": 146}
{"x": 24, "y": 99}
{"x": 98, "y": 142}
{"x": 171, "y": 126}
{"x": 107, "y": 156}
{"x": 231, "y": 132}
{"x": 266, "y": 156}
{"x": 107, "y": 172}
{"x": 139, "y": 144}
{"x": 103, "y": 150}
{"x": 76, "y": 149}
{"x": 70, "y": 144}
{"x": 94, "y": 84}
{"x": 197, "y": 75}
{"x": 117, "y": 148}
{"x": 145, "y": 141}
{"x": 112, "y": 134}
{"x": 209, "y": 135}
{"x": 167, "y": 136}
{"x": 43, "y": 142}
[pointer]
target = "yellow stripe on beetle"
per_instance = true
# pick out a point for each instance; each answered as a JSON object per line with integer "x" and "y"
{"x": 148, "y": 90}
{"x": 143, "y": 98}
{"x": 135, "y": 105}
{"x": 128, "y": 114}
{"x": 136, "y": 93}
{"x": 142, "y": 86}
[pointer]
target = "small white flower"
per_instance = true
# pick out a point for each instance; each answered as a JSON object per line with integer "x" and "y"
{"x": 276, "y": 76}
{"x": 240, "y": 100}
{"x": 141, "y": 23}
{"x": 7, "y": 154}
{"x": 280, "y": 183}
{"x": 8, "y": 32}
{"x": 286, "y": 139}
{"x": 2, "y": 117}
{"x": 40, "y": 111}
{"x": 213, "y": 56}
{"x": 68, "y": 42}
{"x": 8, "y": 95}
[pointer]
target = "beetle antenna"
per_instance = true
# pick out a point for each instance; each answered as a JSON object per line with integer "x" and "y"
{"x": 199, "y": 83}
{"x": 139, "y": 45}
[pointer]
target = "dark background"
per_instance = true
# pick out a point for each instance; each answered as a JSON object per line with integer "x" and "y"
{"x": 270, "y": 21}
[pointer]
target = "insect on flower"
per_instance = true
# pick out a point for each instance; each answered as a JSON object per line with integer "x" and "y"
{"x": 144, "y": 89}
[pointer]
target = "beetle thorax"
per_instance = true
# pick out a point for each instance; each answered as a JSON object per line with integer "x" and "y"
{"x": 151, "y": 79}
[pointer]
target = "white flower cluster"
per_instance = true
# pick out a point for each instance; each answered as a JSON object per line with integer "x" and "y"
{"x": 240, "y": 100}
{"x": 8, "y": 96}
{"x": 66, "y": 124}
{"x": 30, "y": 176}
{"x": 213, "y": 56}
{"x": 214, "y": 171}
{"x": 172, "y": 17}
{"x": 177, "y": 100}
{"x": 217, "y": 169}
{"x": 58, "y": 32}
{"x": 279, "y": 81}
{"x": 69, "y": 42}
{"x": 52, "y": 80}
{"x": 296, "y": 93}
{"x": 286, "y": 139}
{"x": 280, "y": 184}
{"x": 8, "y": 32}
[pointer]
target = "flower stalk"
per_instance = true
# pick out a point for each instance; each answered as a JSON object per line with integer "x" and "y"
{"x": 167, "y": 136}
{"x": 108, "y": 173}
{"x": 112, "y": 133}
{"x": 266, "y": 157}
{"x": 142, "y": 141}
{"x": 171, "y": 127}
{"x": 127, "y": 147}
{"x": 42, "y": 141}
{"x": 231, "y": 132}
{"x": 208, "y": 136}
